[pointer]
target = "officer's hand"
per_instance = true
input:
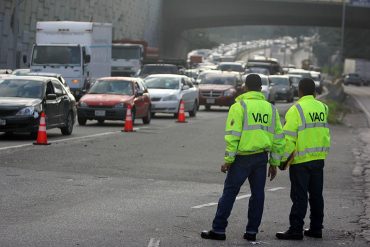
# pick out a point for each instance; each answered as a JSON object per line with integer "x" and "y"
{"x": 283, "y": 165}
{"x": 272, "y": 172}
{"x": 225, "y": 167}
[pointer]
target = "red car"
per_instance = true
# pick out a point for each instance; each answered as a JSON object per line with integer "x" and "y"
{"x": 109, "y": 97}
{"x": 219, "y": 89}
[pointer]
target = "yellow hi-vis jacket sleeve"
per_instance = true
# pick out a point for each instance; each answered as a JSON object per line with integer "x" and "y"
{"x": 292, "y": 120}
{"x": 234, "y": 128}
{"x": 278, "y": 143}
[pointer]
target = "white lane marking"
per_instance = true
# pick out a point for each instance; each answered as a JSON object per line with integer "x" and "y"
{"x": 364, "y": 109}
{"x": 14, "y": 147}
{"x": 154, "y": 243}
{"x": 276, "y": 189}
{"x": 237, "y": 198}
{"x": 62, "y": 140}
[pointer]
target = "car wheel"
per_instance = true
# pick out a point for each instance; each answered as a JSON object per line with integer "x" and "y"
{"x": 193, "y": 112}
{"x": 68, "y": 128}
{"x": 148, "y": 118}
{"x": 81, "y": 121}
{"x": 208, "y": 107}
{"x": 175, "y": 115}
{"x": 152, "y": 114}
{"x": 101, "y": 121}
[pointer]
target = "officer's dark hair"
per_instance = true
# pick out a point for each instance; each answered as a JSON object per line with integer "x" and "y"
{"x": 306, "y": 86}
{"x": 253, "y": 82}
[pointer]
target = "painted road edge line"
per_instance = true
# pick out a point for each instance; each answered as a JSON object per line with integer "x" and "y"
{"x": 154, "y": 243}
{"x": 62, "y": 140}
{"x": 363, "y": 108}
{"x": 237, "y": 198}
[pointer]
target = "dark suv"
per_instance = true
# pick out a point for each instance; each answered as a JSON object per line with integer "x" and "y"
{"x": 353, "y": 79}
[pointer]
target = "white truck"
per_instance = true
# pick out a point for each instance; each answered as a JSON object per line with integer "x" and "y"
{"x": 361, "y": 67}
{"x": 127, "y": 59}
{"x": 79, "y": 51}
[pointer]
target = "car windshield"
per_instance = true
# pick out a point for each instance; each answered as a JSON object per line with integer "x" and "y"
{"x": 258, "y": 70}
{"x": 63, "y": 55}
{"x": 21, "y": 88}
{"x": 303, "y": 74}
{"x": 112, "y": 87}
{"x": 295, "y": 80}
{"x": 126, "y": 52}
{"x": 162, "y": 83}
{"x": 231, "y": 67}
{"x": 148, "y": 70}
{"x": 219, "y": 80}
{"x": 279, "y": 81}
{"x": 264, "y": 81}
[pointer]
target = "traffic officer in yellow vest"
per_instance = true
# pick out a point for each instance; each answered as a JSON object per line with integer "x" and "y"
{"x": 307, "y": 145}
{"x": 253, "y": 131}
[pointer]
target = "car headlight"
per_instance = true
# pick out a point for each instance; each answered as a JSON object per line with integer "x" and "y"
{"x": 170, "y": 98}
{"x": 82, "y": 104}
{"x": 27, "y": 111}
{"x": 229, "y": 92}
{"x": 30, "y": 111}
{"x": 120, "y": 105}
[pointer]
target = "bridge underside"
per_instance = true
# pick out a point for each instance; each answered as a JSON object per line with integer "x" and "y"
{"x": 182, "y": 15}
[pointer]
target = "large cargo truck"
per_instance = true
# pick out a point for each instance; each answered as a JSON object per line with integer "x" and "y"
{"x": 79, "y": 51}
{"x": 128, "y": 56}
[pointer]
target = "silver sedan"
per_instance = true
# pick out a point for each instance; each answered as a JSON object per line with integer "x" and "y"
{"x": 167, "y": 90}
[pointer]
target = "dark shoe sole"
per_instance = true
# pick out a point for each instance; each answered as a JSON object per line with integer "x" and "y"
{"x": 290, "y": 237}
{"x": 249, "y": 237}
{"x": 213, "y": 236}
{"x": 313, "y": 235}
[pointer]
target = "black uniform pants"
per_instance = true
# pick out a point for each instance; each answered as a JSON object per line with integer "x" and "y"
{"x": 306, "y": 179}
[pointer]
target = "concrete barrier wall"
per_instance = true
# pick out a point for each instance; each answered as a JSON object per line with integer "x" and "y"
{"x": 133, "y": 19}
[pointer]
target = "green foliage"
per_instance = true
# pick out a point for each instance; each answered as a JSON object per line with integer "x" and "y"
{"x": 336, "y": 111}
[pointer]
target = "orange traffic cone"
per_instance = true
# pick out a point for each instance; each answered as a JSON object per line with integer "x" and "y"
{"x": 42, "y": 138}
{"x": 181, "y": 115}
{"x": 128, "y": 121}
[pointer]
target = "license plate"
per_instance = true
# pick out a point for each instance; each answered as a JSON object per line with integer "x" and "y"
{"x": 2, "y": 122}
{"x": 210, "y": 101}
{"x": 100, "y": 113}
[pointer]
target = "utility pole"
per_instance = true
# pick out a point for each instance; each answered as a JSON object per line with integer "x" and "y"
{"x": 16, "y": 32}
{"x": 341, "y": 56}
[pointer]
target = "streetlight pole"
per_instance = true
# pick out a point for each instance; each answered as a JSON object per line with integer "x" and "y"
{"x": 341, "y": 57}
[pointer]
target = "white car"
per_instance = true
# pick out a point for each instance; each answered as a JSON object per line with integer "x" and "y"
{"x": 167, "y": 90}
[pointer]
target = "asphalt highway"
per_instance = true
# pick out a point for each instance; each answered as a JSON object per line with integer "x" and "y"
{"x": 157, "y": 186}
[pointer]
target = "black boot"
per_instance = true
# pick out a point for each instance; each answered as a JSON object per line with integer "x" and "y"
{"x": 249, "y": 236}
{"x": 313, "y": 234}
{"x": 212, "y": 235}
{"x": 289, "y": 235}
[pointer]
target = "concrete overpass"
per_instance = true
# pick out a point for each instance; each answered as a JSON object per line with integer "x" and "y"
{"x": 180, "y": 15}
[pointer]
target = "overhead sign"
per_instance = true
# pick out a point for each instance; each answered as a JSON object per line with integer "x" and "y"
{"x": 360, "y": 3}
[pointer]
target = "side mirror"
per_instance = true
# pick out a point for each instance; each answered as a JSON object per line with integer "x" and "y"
{"x": 185, "y": 87}
{"x": 87, "y": 58}
{"x": 140, "y": 93}
{"x": 51, "y": 97}
{"x": 24, "y": 58}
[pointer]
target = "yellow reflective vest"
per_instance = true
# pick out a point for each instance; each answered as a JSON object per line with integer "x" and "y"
{"x": 253, "y": 126}
{"x": 306, "y": 131}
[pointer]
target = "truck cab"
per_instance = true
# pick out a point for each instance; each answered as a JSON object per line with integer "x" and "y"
{"x": 127, "y": 59}
{"x": 79, "y": 51}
